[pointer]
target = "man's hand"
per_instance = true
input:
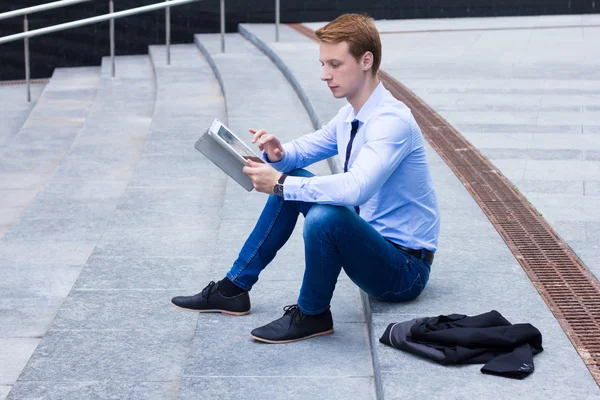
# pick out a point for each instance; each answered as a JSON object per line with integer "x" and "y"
{"x": 268, "y": 143}
{"x": 264, "y": 177}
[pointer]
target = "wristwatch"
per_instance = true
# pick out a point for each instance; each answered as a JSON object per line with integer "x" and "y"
{"x": 278, "y": 188}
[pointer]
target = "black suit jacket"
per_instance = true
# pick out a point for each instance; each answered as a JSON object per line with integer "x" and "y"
{"x": 506, "y": 349}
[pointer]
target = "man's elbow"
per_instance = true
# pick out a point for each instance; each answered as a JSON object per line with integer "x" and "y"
{"x": 356, "y": 196}
{"x": 362, "y": 199}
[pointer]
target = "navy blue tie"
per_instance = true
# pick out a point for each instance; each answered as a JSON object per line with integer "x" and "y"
{"x": 349, "y": 150}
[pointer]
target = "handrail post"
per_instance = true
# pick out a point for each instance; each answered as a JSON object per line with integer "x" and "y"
{"x": 168, "y": 33}
{"x": 111, "y": 9}
{"x": 277, "y": 15}
{"x": 222, "y": 26}
{"x": 27, "y": 68}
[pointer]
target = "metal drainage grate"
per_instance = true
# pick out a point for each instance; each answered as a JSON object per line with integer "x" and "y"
{"x": 23, "y": 82}
{"x": 571, "y": 292}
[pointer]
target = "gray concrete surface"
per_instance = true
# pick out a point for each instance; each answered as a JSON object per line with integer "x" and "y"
{"x": 15, "y": 111}
{"x": 473, "y": 281}
{"x": 446, "y": 24}
{"x": 29, "y": 156}
{"x": 43, "y": 253}
{"x": 35, "y": 271}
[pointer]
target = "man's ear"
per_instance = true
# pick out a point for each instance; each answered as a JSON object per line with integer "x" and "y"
{"x": 367, "y": 61}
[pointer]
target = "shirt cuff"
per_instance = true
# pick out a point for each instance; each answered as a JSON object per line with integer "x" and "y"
{"x": 291, "y": 187}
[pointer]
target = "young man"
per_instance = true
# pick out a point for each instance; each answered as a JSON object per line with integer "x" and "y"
{"x": 378, "y": 220}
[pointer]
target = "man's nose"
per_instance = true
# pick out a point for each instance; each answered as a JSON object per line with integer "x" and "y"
{"x": 325, "y": 75}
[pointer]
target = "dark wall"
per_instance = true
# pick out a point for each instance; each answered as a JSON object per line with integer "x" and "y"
{"x": 86, "y": 45}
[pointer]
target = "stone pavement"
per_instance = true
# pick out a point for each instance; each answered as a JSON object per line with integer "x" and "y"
{"x": 28, "y": 157}
{"x": 15, "y": 112}
{"x": 37, "y": 268}
{"x": 99, "y": 138}
{"x": 130, "y": 214}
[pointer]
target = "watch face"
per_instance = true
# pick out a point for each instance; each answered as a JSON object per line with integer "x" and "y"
{"x": 278, "y": 189}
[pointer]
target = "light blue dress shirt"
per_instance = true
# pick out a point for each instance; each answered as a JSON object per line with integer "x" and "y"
{"x": 388, "y": 175}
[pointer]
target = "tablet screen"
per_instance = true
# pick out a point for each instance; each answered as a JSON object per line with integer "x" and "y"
{"x": 236, "y": 145}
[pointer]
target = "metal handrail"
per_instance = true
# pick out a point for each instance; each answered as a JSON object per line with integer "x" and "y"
{"x": 93, "y": 20}
{"x": 277, "y": 13}
{"x": 41, "y": 7}
{"x": 111, "y": 16}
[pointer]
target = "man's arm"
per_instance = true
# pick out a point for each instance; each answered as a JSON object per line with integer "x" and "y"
{"x": 388, "y": 141}
{"x": 308, "y": 149}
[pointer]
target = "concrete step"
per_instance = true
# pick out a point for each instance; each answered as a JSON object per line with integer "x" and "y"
{"x": 44, "y": 251}
{"x": 473, "y": 272}
{"x": 28, "y": 158}
{"x": 158, "y": 243}
{"x": 15, "y": 107}
{"x": 338, "y": 366}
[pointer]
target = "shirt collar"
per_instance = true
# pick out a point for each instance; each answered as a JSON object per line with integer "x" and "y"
{"x": 367, "y": 109}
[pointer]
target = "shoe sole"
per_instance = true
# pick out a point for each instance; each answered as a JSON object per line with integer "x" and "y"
{"x": 237, "y": 314}
{"x": 329, "y": 332}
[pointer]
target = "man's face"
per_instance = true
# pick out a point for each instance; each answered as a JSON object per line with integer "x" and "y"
{"x": 341, "y": 71}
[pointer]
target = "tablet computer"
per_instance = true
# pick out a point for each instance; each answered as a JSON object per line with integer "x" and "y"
{"x": 233, "y": 143}
{"x": 227, "y": 151}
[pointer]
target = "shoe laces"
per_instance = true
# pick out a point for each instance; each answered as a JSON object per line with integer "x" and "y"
{"x": 207, "y": 291}
{"x": 297, "y": 314}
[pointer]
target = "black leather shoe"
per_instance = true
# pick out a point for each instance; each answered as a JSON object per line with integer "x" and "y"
{"x": 210, "y": 300}
{"x": 294, "y": 326}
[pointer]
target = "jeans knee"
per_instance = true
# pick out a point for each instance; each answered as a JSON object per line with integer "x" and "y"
{"x": 320, "y": 218}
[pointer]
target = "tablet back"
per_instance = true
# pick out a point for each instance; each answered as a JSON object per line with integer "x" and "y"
{"x": 224, "y": 159}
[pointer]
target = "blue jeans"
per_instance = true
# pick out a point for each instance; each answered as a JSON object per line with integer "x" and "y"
{"x": 334, "y": 238}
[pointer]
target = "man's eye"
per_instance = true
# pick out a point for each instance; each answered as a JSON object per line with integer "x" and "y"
{"x": 335, "y": 65}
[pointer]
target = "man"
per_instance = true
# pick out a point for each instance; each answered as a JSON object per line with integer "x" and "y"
{"x": 378, "y": 220}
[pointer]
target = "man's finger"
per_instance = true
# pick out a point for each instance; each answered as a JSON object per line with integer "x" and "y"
{"x": 258, "y": 134}
{"x": 266, "y": 139}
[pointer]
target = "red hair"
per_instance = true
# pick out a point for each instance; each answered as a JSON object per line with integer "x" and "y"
{"x": 360, "y": 33}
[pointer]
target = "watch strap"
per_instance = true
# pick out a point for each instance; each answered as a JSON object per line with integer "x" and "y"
{"x": 278, "y": 188}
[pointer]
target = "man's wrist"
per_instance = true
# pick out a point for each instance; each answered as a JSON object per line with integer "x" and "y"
{"x": 271, "y": 160}
{"x": 278, "y": 188}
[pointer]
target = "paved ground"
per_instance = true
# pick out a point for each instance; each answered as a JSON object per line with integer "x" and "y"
{"x": 118, "y": 213}
{"x": 16, "y": 111}
{"x": 29, "y": 157}
{"x": 87, "y": 131}
{"x": 37, "y": 267}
